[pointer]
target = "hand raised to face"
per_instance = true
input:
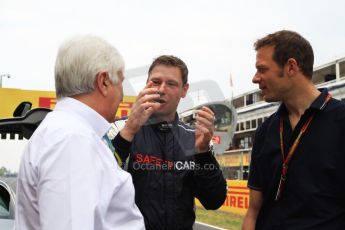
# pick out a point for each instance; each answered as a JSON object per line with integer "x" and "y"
{"x": 143, "y": 107}
{"x": 204, "y": 129}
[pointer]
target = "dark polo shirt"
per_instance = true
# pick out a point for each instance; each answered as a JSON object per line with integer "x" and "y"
{"x": 314, "y": 192}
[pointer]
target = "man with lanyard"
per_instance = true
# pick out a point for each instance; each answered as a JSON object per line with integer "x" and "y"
{"x": 297, "y": 168}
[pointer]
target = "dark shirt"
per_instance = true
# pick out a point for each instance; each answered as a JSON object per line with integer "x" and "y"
{"x": 314, "y": 193}
{"x": 168, "y": 175}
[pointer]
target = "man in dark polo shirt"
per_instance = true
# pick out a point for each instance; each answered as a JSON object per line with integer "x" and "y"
{"x": 297, "y": 172}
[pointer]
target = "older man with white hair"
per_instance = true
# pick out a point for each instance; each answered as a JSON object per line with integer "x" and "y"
{"x": 69, "y": 178}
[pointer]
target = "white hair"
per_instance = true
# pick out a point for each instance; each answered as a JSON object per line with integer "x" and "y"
{"x": 80, "y": 59}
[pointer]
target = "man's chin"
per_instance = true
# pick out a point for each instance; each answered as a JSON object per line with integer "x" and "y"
{"x": 269, "y": 99}
{"x": 159, "y": 114}
{"x": 164, "y": 115}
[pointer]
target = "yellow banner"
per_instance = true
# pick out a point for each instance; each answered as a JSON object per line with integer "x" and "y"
{"x": 234, "y": 160}
{"x": 11, "y": 98}
{"x": 237, "y": 199}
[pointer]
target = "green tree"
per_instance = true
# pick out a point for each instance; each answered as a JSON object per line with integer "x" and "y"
{"x": 3, "y": 171}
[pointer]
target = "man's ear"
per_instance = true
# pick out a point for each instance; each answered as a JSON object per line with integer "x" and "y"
{"x": 102, "y": 82}
{"x": 292, "y": 66}
{"x": 185, "y": 88}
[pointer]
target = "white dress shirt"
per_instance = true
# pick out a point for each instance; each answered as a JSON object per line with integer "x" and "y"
{"x": 69, "y": 179}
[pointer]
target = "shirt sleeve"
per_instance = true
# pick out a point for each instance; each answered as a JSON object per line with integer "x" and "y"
{"x": 210, "y": 186}
{"x": 255, "y": 178}
{"x": 122, "y": 147}
{"x": 68, "y": 185}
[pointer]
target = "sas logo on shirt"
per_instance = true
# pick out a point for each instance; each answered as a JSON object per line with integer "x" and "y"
{"x": 149, "y": 162}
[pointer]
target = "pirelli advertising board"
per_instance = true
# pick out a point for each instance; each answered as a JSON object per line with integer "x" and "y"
{"x": 11, "y": 98}
{"x": 237, "y": 199}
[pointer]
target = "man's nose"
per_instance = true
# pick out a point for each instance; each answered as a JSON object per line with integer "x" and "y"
{"x": 256, "y": 78}
{"x": 161, "y": 88}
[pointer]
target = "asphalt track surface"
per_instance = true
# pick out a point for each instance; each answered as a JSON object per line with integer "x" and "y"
{"x": 202, "y": 226}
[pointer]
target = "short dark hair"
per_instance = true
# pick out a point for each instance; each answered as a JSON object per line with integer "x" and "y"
{"x": 289, "y": 44}
{"x": 169, "y": 60}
